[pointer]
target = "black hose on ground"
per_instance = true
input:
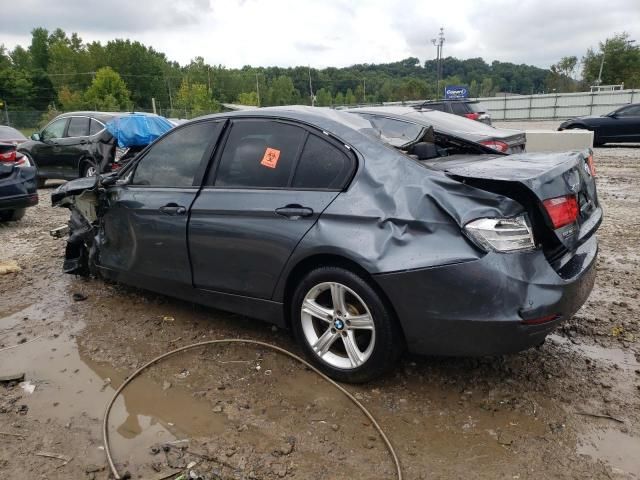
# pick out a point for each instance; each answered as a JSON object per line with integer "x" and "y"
{"x": 105, "y": 422}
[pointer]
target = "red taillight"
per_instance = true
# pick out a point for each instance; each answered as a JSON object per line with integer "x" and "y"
{"x": 472, "y": 116}
{"x": 9, "y": 156}
{"x": 562, "y": 210}
{"x": 591, "y": 165}
{"x": 541, "y": 320}
{"x": 496, "y": 145}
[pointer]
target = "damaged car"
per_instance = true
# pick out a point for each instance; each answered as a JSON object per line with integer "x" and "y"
{"x": 363, "y": 244}
{"x": 83, "y": 144}
{"x": 18, "y": 184}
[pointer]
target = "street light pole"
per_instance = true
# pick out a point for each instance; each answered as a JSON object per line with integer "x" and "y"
{"x": 438, "y": 43}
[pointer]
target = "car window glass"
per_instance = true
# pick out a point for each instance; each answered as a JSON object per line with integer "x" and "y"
{"x": 436, "y": 106}
{"x": 396, "y": 129}
{"x": 78, "y": 127}
{"x": 629, "y": 112}
{"x": 173, "y": 160}
{"x": 96, "y": 126}
{"x": 8, "y": 133}
{"x": 322, "y": 165}
{"x": 54, "y": 129}
{"x": 459, "y": 108}
{"x": 259, "y": 154}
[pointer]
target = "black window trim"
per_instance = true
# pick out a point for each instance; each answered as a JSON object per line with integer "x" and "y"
{"x": 205, "y": 161}
{"x": 212, "y": 174}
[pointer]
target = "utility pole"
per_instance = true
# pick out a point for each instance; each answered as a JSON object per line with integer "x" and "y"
{"x": 313, "y": 98}
{"x": 438, "y": 43}
{"x": 170, "y": 99}
{"x": 258, "y": 89}
{"x": 153, "y": 105}
{"x": 364, "y": 90}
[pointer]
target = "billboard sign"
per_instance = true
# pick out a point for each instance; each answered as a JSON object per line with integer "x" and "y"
{"x": 455, "y": 91}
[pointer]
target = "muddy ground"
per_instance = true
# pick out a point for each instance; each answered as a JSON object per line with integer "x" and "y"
{"x": 568, "y": 409}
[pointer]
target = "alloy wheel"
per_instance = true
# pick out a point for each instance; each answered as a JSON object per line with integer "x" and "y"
{"x": 338, "y": 325}
{"x": 90, "y": 171}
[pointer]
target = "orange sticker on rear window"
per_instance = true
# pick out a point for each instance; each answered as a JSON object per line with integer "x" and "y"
{"x": 270, "y": 158}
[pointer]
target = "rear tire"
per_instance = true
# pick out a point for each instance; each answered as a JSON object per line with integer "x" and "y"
{"x": 12, "y": 215}
{"x": 344, "y": 326}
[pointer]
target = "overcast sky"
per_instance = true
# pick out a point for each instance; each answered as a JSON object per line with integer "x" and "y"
{"x": 333, "y": 32}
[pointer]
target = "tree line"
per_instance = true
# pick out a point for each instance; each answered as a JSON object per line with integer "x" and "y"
{"x": 61, "y": 72}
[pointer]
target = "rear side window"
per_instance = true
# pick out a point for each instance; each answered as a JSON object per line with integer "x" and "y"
{"x": 95, "y": 127}
{"x": 78, "y": 127}
{"x": 259, "y": 154}
{"x": 322, "y": 165}
{"x": 174, "y": 160}
{"x": 459, "y": 108}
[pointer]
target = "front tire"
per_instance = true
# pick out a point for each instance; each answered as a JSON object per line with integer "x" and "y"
{"x": 344, "y": 326}
{"x": 89, "y": 169}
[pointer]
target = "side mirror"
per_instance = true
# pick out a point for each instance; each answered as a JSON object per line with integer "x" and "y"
{"x": 108, "y": 180}
{"x": 35, "y": 136}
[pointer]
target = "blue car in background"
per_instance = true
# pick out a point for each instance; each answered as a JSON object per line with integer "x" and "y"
{"x": 18, "y": 189}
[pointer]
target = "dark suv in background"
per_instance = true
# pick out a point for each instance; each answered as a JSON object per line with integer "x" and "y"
{"x": 465, "y": 108}
{"x": 72, "y": 145}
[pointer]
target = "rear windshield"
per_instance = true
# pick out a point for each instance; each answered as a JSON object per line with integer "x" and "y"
{"x": 9, "y": 133}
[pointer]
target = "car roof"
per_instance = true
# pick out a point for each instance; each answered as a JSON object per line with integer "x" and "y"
{"x": 323, "y": 117}
{"x": 12, "y": 131}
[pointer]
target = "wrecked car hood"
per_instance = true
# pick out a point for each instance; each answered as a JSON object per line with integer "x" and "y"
{"x": 74, "y": 187}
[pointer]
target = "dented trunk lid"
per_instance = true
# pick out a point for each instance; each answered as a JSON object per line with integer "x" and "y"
{"x": 531, "y": 178}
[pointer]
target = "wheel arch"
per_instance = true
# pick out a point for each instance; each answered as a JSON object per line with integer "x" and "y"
{"x": 82, "y": 161}
{"x": 314, "y": 261}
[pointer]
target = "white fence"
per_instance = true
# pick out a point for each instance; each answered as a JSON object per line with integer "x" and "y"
{"x": 557, "y": 106}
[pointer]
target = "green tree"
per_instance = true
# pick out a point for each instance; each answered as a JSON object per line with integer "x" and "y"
{"x": 108, "y": 91}
{"x": 339, "y": 99}
{"x": 248, "y": 98}
{"x": 349, "y": 97}
{"x": 71, "y": 100}
{"x": 621, "y": 62}
{"x": 281, "y": 91}
{"x": 195, "y": 99}
{"x": 323, "y": 98}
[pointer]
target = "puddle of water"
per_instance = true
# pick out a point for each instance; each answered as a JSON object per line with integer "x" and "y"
{"x": 70, "y": 385}
{"x": 625, "y": 359}
{"x": 615, "y": 448}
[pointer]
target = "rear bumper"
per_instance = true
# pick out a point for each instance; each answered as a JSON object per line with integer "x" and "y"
{"x": 479, "y": 307}
{"x": 18, "y": 201}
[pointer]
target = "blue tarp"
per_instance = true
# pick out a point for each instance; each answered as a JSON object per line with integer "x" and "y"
{"x": 137, "y": 129}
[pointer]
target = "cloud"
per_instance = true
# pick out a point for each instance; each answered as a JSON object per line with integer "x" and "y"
{"x": 116, "y": 16}
{"x": 335, "y": 32}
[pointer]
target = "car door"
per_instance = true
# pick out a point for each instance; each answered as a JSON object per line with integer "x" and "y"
{"x": 73, "y": 146}
{"x": 145, "y": 225}
{"x": 47, "y": 151}
{"x": 271, "y": 181}
{"x": 625, "y": 126}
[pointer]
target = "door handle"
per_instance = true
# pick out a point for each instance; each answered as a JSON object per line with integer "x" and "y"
{"x": 83, "y": 142}
{"x": 173, "y": 209}
{"x": 294, "y": 211}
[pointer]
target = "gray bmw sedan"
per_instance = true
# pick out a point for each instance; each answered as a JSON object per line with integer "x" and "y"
{"x": 365, "y": 240}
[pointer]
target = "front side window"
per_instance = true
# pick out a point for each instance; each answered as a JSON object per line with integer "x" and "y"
{"x": 629, "y": 112}
{"x": 78, "y": 127}
{"x": 322, "y": 166}
{"x": 259, "y": 154}
{"x": 174, "y": 160}
{"x": 436, "y": 106}
{"x": 54, "y": 129}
